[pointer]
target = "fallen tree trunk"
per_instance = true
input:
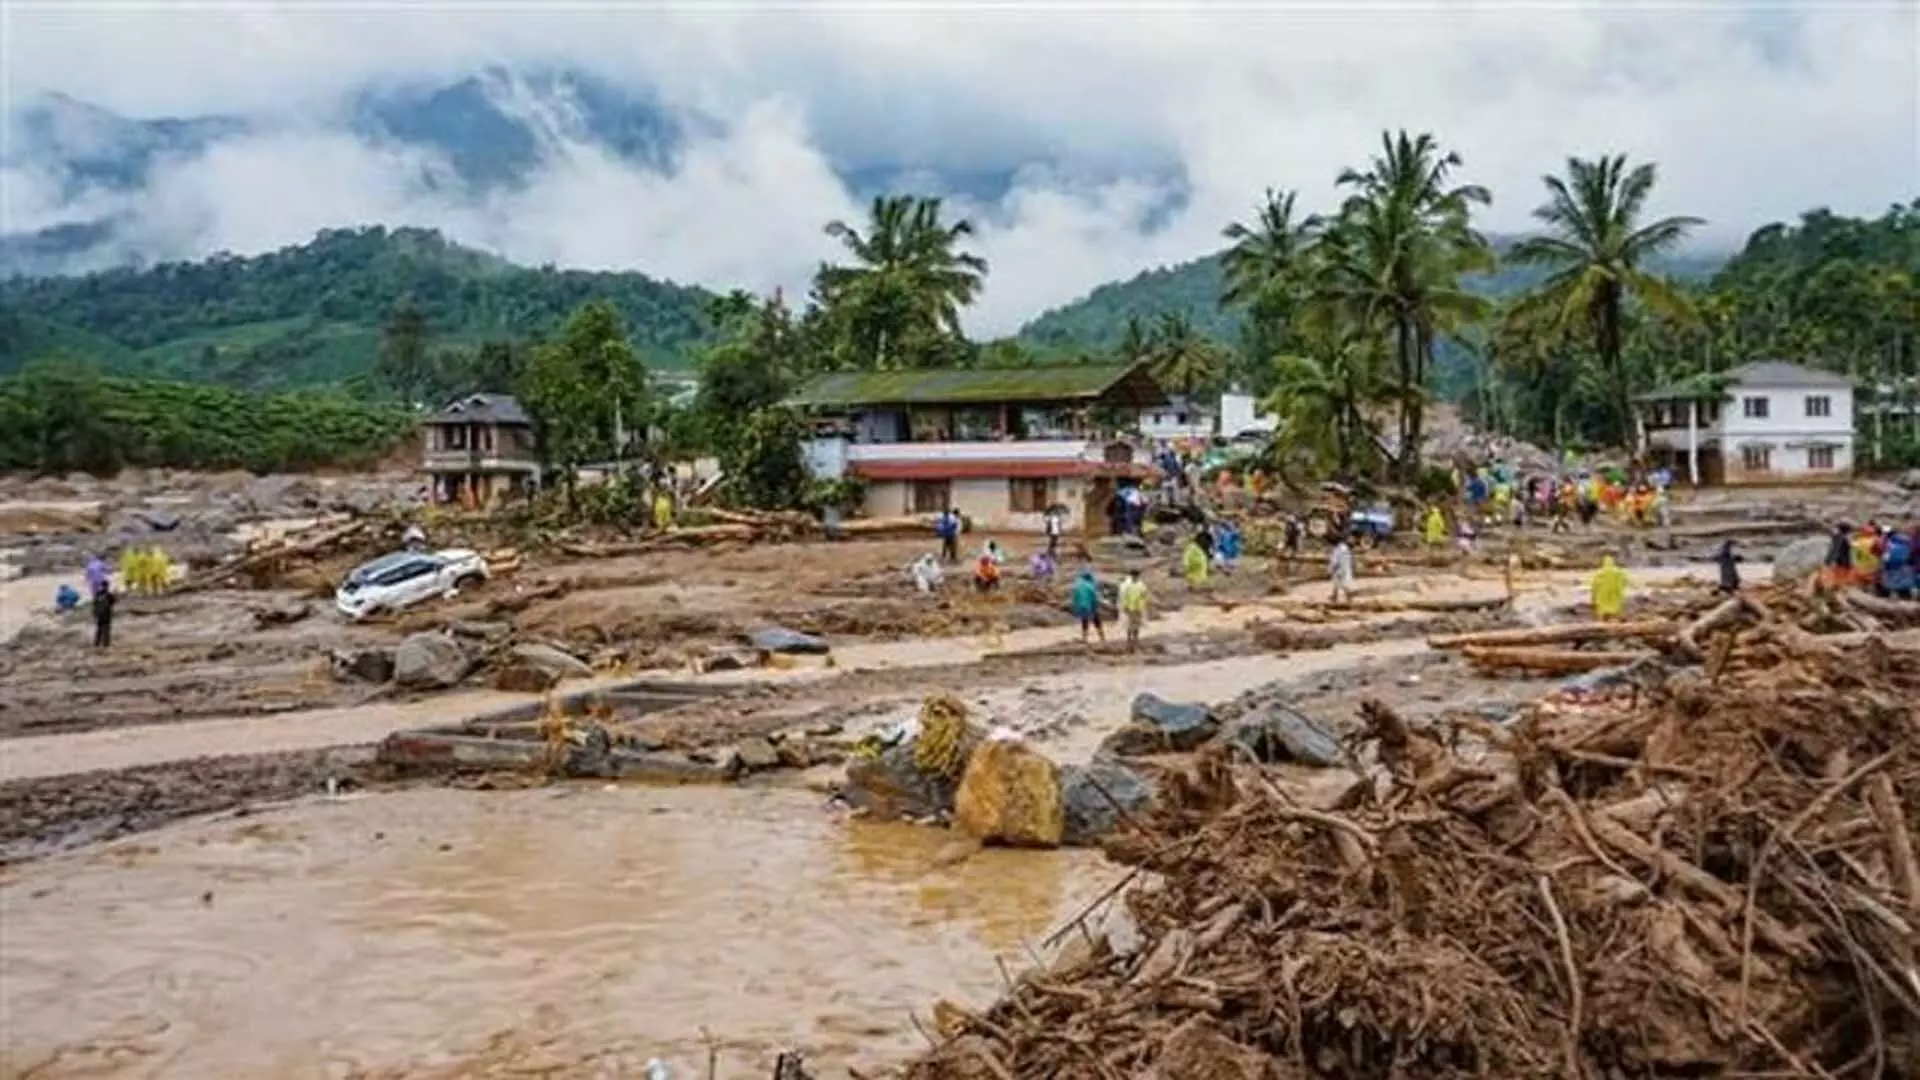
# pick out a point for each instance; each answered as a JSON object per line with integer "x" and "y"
{"x": 1717, "y": 529}
{"x": 1722, "y": 614}
{"x": 1572, "y": 633}
{"x": 287, "y": 549}
{"x": 911, "y": 523}
{"x": 1898, "y": 612}
{"x": 1549, "y": 661}
{"x": 1374, "y": 605}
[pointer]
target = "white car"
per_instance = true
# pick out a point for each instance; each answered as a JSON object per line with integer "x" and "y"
{"x": 405, "y": 578}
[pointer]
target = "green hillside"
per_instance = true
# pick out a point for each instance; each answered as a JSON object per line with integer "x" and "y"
{"x": 1098, "y": 320}
{"x": 313, "y": 314}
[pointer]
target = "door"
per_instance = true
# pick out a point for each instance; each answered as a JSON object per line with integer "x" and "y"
{"x": 932, "y": 496}
{"x": 1093, "y": 516}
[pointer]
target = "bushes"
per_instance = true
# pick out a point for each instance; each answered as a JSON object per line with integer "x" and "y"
{"x": 61, "y": 417}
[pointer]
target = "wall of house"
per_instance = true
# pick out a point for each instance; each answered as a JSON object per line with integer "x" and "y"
{"x": 986, "y": 502}
{"x": 1789, "y": 435}
{"x": 1789, "y": 460}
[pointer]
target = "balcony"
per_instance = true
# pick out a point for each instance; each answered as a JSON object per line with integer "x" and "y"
{"x": 495, "y": 460}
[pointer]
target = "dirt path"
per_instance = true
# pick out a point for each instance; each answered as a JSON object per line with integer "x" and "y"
{"x": 57, "y": 755}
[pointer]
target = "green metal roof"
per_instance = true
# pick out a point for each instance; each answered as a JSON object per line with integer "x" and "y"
{"x": 1127, "y": 383}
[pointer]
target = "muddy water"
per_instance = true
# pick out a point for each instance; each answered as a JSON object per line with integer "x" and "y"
{"x": 576, "y": 932}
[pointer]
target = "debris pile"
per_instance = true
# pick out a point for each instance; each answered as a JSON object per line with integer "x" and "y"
{"x": 1707, "y": 874}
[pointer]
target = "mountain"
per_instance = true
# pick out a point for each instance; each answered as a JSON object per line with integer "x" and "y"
{"x": 313, "y": 314}
{"x": 1099, "y": 319}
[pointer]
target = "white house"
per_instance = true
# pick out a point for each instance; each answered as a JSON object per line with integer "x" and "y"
{"x": 1759, "y": 423}
{"x": 1184, "y": 418}
{"x": 1000, "y": 445}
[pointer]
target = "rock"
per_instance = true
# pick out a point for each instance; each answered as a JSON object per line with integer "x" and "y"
{"x": 779, "y": 639}
{"x": 282, "y": 613}
{"x": 795, "y": 754}
{"x": 521, "y": 677}
{"x": 362, "y": 665}
{"x": 1158, "y": 726}
{"x": 1910, "y": 480}
{"x": 756, "y": 755}
{"x": 430, "y": 661}
{"x": 1274, "y": 732}
{"x": 562, "y": 664}
{"x": 722, "y": 662}
{"x": 1010, "y": 794}
{"x": 157, "y": 521}
{"x": 479, "y": 630}
{"x": 891, "y": 788}
{"x": 1088, "y": 794}
{"x": 1800, "y": 560}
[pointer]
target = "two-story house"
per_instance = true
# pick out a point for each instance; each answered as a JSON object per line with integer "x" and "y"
{"x": 1001, "y": 445}
{"x": 479, "y": 450}
{"x": 1758, "y": 423}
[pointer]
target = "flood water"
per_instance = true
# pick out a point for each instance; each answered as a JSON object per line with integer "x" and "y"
{"x": 574, "y": 932}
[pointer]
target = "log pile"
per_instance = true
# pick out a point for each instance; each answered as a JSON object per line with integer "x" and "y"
{"x": 1711, "y": 875}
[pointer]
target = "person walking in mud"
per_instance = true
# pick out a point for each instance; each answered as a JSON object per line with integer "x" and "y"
{"x": 1086, "y": 605}
{"x": 1133, "y": 607}
{"x": 1340, "y": 570}
{"x": 948, "y": 529}
{"x": 1052, "y": 521}
{"x": 103, "y": 602}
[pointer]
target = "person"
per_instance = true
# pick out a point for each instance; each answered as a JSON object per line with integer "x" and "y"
{"x": 66, "y": 598}
{"x": 1340, "y": 569}
{"x": 1897, "y": 576}
{"x": 1866, "y": 554}
{"x": 1294, "y": 535}
{"x": 1086, "y": 604}
{"x": 1117, "y": 513}
{"x": 1203, "y": 535}
{"x": 1662, "y": 507}
{"x": 662, "y": 510}
{"x": 1227, "y": 545}
{"x": 1838, "y": 570}
{"x": 1053, "y": 523}
{"x": 1609, "y": 589}
{"x": 1193, "y": 562}
{"x": 98, "y": 575}
{"x": 992, "y": 550}
{"x": 926, "y": 574}
{"x": 1042, "y": 566}
{"x": 1133, "y": 607}
{"x": 986, "y": 574}
{"x": 414, "y": 538}
{"x": 1729, "y": 568}
{"x": 947, "y": 527}
{"x": 103, "y": 602}
{"x": 1435, "y": 529}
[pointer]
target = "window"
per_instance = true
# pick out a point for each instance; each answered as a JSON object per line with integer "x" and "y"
{"x": 1819, "y": 457}
{"x": 1029, "y": 496}
{"x": 1820, "y": 405}
{"x": 1754, "y": 408}
{"x": 453, "y": 437}
{"x": 1756, "y": 458}
{"x": 932, "y": 496}
{"x": 406, "y": 571}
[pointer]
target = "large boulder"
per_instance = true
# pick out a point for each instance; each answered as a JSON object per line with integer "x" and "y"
{"x": 362, "y": 665}
{"x": 1910, "y": 480}
{"x": 429, "y": 661}
{"x": 779, "y": 639}
{"x": 1095, "y": 798}
{"x": 1010, "y": 794}
{"x": 534, "y": 668}
{"x": 890, "y": 787}
{"x": 1274, "y": 732}
{"x": 1800, "y": 560}
{"x": 1158, "y": 726}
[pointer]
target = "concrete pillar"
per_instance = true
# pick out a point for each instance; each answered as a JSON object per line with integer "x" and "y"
{"x": 1693, "y": 443}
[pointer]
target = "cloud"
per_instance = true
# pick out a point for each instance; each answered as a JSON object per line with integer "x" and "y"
{"x": 1105, "y": 115}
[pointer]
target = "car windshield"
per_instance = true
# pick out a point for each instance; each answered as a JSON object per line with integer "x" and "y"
{"x": 379, "y": 567}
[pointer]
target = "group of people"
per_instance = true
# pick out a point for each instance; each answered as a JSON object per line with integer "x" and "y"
{"x": 1492, "y": 493}
{"x": 1875, "y": 558}
{"x": 99, "y": 581}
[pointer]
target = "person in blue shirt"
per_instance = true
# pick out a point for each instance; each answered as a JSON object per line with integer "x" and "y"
{"x": 1086, "y": 604}
{"x": 1897, "y": 572}
{"x": 948, "y": 529}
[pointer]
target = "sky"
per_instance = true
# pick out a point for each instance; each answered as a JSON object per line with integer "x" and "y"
{"x": 1111, "y": 113}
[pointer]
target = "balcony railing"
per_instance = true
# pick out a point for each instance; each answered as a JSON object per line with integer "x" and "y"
{"x": 503, "y": 459}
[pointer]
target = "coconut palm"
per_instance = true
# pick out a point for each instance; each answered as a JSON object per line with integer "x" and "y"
{"x": 1180, "y": 358}
{"x": 1397, "y": 251}
{"x": 1261, "y": 274}
{"x": 1322, "y": 397}
{"x": 898, "y": 303}
{"x": 1597, "y": 243}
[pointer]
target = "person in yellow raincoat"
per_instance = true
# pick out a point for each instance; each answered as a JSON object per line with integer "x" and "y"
{"x": 662, "y": 510}
{"x": 1609, "y": 589}
{"x": 1193, "y": 562}
{"x": 1866, "y": 555}
{"x": 1434, "y": 529}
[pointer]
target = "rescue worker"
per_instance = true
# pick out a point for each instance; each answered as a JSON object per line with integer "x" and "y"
{"x": 1340, "y": 570}
{"x": 103, "y": 602}
{"x": 1133, "y": 607}
{"x": 926, "y": 574}
{"x": 1193, "y": 562}
{"x": 1609, "y": 589}
{"x": 1434, "y": 531}
{"x": 1729, "y": 568}
{"x": 986, "y": 574}
{"x": 947, "y": 527}
{"x": 662, "y": 510}
{"x": 1838, "y": 570}
{"x": 1086, "y": 604}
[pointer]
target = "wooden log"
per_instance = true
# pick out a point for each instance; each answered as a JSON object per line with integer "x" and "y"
{"x": 1897, "y": 612}
{"x": 910, "y": 523}
{"x": 292, "y": 547}
{"x": 1568, "y": 634}
{"x": 1723, "y": 614}
{"x": 1549, "y": 661}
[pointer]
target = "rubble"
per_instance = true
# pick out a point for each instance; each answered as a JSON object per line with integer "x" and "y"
{"x": 1708, "y": 873}
{"x": 430, "y": 661}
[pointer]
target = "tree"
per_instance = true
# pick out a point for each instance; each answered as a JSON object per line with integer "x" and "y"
{"x": 1397, "y": 250}
{"x": 586, "y": 392}
{"x": 1597, "y": 245}
{"x": 1261, "y": 274}
{"x": 756, "y": 363}
{"x": 1322, "y": 396}
{"x": 403, "y": 363}
{"x": 1180, "y": 358}
{"x": 898, "y": 303}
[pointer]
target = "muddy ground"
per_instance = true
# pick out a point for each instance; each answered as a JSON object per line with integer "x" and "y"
{"x": 238, "y": 652}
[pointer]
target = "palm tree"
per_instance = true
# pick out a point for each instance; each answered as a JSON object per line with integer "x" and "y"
{"x": 1261, "y": 273}
{"x": 1180, "y": 358}
{"x": 1322, "y": 396}
{"x": 1397, "y": 251}
{"x": 1597, "y": 244}
{"x": 899, "y": 302}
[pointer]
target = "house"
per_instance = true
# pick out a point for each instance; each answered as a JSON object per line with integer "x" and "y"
{"x": 1240, "y": 417}
{"x": 1757, "y": 423}
{"x": 479, "y": 450}
{"x": 1235, "y": 416}
{"x": 999, "y": 444}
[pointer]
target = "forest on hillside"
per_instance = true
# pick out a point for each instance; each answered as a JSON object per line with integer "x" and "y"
{"x": 315, "y": 313}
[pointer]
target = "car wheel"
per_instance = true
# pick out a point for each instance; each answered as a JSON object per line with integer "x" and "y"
{"x": 467, "y": 581}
